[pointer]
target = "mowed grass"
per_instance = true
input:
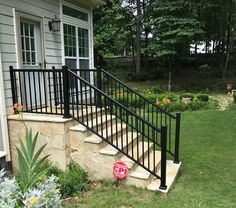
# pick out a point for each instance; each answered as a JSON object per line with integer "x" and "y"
{"x": 207, "y": 177}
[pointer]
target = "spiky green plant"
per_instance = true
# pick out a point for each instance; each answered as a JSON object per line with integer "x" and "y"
{"x": 31, "y": 164}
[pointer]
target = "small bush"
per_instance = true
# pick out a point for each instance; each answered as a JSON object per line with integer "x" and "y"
{"x": 129, "y": 100}
{"x": 74, "y": 181}
{"x": 234, "y": 96}
{"x": 171, "y": 96}
{"x": 202, "y": 97}
{"x": 54, "y": 170}
{"x": 151, "y": 97}
{"x": 187, "y": 95}
{"x": 196, "y": 105}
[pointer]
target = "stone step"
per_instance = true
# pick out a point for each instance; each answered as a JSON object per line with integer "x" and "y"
{"x": 142, "y": 153}
{"x": 90, "y": 112}
{"x": 101, "y": 122}
{"x": 172, "y": 171}
{"x": 123, "y": 142}
{"x": 109, "y": 133}
{"x": 140, "y": 173}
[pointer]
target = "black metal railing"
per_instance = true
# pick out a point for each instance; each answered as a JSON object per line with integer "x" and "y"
{"x": 95, "y": 101}
{"x": 39, "y": 90}
{"x": 138, "y": 104}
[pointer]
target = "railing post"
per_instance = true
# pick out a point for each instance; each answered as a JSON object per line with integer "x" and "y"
{"x": 177, "y": 133}
{"x": 13, "y": 87}
{"x": 99, "y": 86}
{"x": 66, "y": 91}
{"x": 55, "y": 85}
{"x": 163, "y": 157}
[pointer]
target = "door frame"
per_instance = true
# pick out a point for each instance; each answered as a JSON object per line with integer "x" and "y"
{"x": 38, "y": 19}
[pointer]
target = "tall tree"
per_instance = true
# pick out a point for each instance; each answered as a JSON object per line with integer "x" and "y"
{"x": 173, "y": 29}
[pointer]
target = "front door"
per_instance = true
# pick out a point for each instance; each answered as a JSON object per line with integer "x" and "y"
{"x": 31, "y": 59}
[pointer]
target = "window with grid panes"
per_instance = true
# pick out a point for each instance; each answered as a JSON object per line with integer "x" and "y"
{"x": 28, "y": 43}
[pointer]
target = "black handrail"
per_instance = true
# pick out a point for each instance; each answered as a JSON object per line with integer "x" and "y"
{"x": 138, "y": 94}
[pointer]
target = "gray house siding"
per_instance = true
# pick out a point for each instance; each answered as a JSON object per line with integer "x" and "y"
{"x": 52, "y": 41}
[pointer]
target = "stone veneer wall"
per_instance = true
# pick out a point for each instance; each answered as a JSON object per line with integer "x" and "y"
{"x": 53, "y": 130}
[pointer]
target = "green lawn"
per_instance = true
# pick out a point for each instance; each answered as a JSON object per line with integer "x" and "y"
{"x": 207, "y": 177}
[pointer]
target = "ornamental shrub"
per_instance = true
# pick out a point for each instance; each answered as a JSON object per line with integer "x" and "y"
{"x": 151, "y": 97}
{"x": 202, "y": 97}
{"x": 73, "y": 181}
{"x": 171, "y": 96}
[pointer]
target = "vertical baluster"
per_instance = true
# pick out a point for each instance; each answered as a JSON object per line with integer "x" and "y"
{"x": 143, "y": 134}
{"x": 169, "y": 140}
{"x": 132, "y": 135}
{"x": 86, "y": 102}
{"x": 96, "y": 106}
{"x": 154, "y": 147}
{"x": 35, "y": 93}
{"x": 148, "y": 137}
{"x": 25, "y": 89}
{"x": 116, "y": 114}
{"x": 91, "y": 106}
{"x": 106, "y": 118}
{"x": 50, "y": 92}
{"x": 127, "y": 136}
{"x": 72, "y": 93}
{"x": 20, "y": 84}
{"x": 40, "y": 92}
{"x": 30, "y": 93}
{"x": 121, "y": 119}
{"x": 60, "y": 91}
{"x": 77, "y": 98}
{"x": 81, "y": 100}
{"x": 55, "y": 88}
{"x": 45, "y": 92}
{"x": 111, "y": 113}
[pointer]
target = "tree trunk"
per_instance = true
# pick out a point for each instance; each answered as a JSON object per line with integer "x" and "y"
{"x": 138, "y": 38}
{"x": 229, "y": 48}
{"x": 229, "y": 41}
{"x": 170, "y": 77}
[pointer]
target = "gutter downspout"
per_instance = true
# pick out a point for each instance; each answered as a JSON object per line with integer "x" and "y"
{"x": 3, "y": 116}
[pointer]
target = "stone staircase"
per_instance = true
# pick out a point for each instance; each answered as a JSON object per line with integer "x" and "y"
{"x": 97, "y": 157}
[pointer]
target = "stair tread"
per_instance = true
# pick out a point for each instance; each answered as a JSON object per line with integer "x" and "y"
{"x": 140, "y": 172}
{"x": 100, "y": 120}
{"x": 172, "y": 171}
{"x": 130, "y": 162}
{"x": 78, "y": 127}
{"x": 110, "y": 150}
{"x": 90, "y": 110}
{"x": 95, "y": 139}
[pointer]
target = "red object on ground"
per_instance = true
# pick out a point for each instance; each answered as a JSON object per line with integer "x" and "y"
{"x": 120, "y": 170}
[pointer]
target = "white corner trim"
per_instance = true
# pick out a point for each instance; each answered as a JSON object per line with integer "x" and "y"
{"x": 16, "y": 39}
{"x": 3, "y": 115}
